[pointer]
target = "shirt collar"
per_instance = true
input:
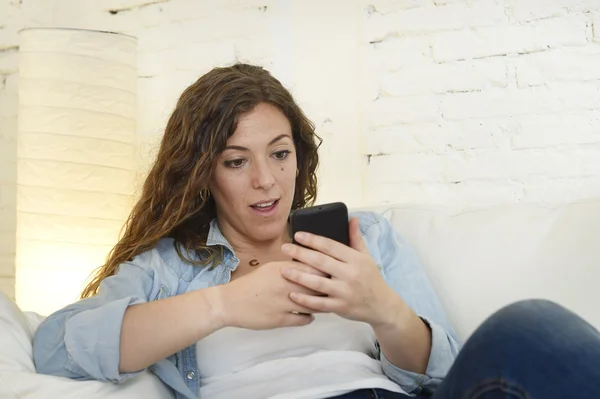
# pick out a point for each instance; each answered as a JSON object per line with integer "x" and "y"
{"x": 215, "y": 237}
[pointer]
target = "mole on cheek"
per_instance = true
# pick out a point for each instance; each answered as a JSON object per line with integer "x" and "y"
{"x": 282, "y": 169}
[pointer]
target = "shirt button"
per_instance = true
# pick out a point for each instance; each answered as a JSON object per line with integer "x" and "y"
{"x": 190, "y": 375}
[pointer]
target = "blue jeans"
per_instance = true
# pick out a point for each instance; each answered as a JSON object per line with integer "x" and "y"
{"x": 533, "y": 349}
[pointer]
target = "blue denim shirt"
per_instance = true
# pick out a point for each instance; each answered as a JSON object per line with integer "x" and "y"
{"x": 81, "y": 341}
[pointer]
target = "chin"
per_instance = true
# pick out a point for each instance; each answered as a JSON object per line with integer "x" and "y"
{"x": 269, "y": 231}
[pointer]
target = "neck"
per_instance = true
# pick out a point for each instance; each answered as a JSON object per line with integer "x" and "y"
{"x": 259, "y": 249}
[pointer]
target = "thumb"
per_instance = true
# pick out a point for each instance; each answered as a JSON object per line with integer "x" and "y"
{"x": 356, "y": 240}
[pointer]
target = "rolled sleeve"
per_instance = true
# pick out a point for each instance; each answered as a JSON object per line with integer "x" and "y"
{"x": 82, "y": 341}
{"x": 93, "y": 339}
{"x": 444, "y": 350}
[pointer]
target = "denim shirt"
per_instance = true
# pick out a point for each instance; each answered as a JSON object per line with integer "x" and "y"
{"x": 81, "y": 341}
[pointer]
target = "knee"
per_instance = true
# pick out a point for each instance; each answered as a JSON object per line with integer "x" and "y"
{"x": 531, "y": 310}
{"x": 528, "y": 320}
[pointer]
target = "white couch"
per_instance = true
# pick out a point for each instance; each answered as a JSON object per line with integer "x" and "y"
{"x": 478, "y": 261}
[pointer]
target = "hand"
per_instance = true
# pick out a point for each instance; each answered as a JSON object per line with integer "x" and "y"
{"x": 356, "y": 289}
{"x": 261, "y": 300}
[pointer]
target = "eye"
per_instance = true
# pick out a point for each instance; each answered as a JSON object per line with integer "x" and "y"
{"x": 281, "y": 155}
{"x": 234, "y": 163}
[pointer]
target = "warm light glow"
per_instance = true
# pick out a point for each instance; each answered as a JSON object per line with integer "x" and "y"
{"x": 75, "y": 158}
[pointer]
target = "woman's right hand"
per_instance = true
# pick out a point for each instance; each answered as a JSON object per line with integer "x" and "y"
{"x": 260, "y": 300}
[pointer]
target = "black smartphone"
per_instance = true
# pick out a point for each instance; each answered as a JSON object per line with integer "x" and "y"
{"x": 327, "y": 220}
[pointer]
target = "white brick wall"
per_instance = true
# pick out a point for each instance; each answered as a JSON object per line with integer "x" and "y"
{"x": 499, "y": 102}
{"x": 461, "y": 102}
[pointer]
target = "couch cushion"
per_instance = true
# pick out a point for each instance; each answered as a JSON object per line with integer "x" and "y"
{"x": 481, "y": 260}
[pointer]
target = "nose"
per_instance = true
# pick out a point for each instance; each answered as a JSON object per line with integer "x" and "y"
{"x": 262, "y": 175}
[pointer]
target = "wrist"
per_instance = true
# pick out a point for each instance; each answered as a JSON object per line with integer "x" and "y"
{"x": 393, "y": 313}
{"x": 214, "y": 299}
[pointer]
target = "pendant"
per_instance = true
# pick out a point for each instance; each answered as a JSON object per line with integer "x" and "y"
{"x": 254, "y": 262}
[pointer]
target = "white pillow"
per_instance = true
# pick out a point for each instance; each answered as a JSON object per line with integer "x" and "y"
{"x": 23, "y": 385}
{"x": 16, "y": 336}
{"x": 18, "y": 378}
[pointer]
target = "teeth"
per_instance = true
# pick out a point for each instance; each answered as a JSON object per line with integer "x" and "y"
{"x": 265, "y": 205}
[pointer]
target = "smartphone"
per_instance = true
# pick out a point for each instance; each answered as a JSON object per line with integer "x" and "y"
{"x": 327, "y": 220}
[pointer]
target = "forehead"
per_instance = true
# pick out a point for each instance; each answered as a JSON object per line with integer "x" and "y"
{"x": 265, "y": 121}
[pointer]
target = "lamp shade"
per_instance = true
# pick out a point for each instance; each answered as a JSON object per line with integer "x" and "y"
{"x": 75, "y": 158}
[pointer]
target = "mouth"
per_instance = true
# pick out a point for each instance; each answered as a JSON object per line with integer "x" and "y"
{"x": 265, "y": 206}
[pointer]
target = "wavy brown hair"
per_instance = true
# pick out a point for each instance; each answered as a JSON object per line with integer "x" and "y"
{"x": 175, "y": 201}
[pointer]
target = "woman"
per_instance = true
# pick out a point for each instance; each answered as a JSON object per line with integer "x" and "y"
{"x": 202, "y": 289}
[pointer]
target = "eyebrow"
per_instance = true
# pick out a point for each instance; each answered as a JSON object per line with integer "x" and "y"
{"x": 240, "y": 148}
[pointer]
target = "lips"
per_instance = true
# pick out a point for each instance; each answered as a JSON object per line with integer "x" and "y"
{"x": 265, "y": 206}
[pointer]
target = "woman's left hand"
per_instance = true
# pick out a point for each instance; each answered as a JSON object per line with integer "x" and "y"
{"x": 356, "y": 289}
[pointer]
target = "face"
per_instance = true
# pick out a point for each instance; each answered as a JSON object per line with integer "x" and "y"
{"x": 254, "y": 178}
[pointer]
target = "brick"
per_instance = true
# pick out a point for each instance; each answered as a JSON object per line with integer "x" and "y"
{"x": 211, "y": 26}
{"x": 443, "y": 78}
{"x": 157, "y": 38}
{"x": 8, "y": 131}
{"x": 436, "y": 18}
{"x": 475, "y": 194}
{"x": 156, "y": 15}
{"x": 529, "y": 10}
{"x": 444, "y": 2}
{"x": 394, "y": 54}
{"x": 9, "y": 62}
{"x": 514, "y": 39}
{"x": 596, "y": 29}
{"x": 193, "y": 56}
{"x": 570, "y": 64}
{"x": 536, "y": 131}
{"x": 8, "y": 197}
{"x": 8, "y": 213}
{"x": 129, "y": 4}
{"x": 8, "y": 170}
{"x": 153, "y": 63}
{"x": 8, "y": 245}
{"x": 490, "y": 164}
{"x": 9, "y": 96}
{"x": 440, "y": 137}
{"x": 411, "y": 109}
{"x": 389, "y": 6}
{"x": 533, "y": 100}
{"x": 560, "y": 190}
{"x": 417, "y": 167}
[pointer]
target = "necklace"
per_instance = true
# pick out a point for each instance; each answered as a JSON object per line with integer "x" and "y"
{"x": 254, "y": 262}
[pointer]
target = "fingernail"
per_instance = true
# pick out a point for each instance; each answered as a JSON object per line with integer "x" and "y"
{"x": 300, "y": 236}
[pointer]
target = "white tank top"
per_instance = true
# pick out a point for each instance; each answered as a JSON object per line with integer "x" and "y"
{"x": 328, "y": 357}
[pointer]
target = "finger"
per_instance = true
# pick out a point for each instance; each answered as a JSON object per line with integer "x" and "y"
{"x": 325, "y": 245}
{"x": 314, "y": 259}
{"x": 356, "y": 239}
{"x": 319, "y": 304}
{"x": 307, "y": 269}
{"x": 316, "y": 283}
